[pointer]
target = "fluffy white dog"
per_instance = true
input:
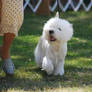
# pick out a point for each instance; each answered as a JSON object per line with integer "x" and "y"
{"x": 52, "y": 47}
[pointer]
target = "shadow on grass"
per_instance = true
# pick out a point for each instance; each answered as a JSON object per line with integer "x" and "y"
{"x": 74, "y": 77}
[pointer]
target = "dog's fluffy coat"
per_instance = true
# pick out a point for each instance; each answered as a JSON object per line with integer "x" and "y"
{"x": 52, "y": 47}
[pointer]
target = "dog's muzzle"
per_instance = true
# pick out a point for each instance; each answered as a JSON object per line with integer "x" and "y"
{"x": 51, "y": 37}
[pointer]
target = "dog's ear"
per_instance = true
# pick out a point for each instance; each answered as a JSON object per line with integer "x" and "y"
{"x": 57, "y": 15}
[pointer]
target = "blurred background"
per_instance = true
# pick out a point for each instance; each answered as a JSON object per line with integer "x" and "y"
{"x": 45, "y": 7}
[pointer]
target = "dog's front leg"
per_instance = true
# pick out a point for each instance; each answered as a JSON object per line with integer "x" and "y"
{"x": 47, "y": 65}
{"x": 59, "y": 68}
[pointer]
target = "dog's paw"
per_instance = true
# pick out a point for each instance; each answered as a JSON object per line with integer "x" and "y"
{"x": 47, "y": 66}
{"x": 61, "y": 73}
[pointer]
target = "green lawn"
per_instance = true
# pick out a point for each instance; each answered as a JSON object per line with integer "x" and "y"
{"x": 78, "y": 65}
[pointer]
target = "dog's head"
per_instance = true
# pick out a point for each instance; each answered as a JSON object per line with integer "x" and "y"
{"x": 56, "y": 29}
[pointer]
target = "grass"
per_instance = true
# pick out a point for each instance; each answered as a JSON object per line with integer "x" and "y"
{"x": 78, "y": 64}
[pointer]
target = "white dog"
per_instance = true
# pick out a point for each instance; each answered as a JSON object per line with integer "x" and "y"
{"x": 52, "y": 47}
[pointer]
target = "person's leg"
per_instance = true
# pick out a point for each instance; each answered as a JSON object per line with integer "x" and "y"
{"x": 7, "y": 42}
{"x": 8, "y": 65}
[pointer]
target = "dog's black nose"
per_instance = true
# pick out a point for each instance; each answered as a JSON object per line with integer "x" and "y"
{"x": 51, "y": 31}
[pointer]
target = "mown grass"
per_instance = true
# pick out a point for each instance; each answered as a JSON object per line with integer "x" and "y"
{"x": 78, "y": 64}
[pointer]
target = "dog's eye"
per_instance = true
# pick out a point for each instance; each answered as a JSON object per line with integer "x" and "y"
{"x": 59, "y": 29}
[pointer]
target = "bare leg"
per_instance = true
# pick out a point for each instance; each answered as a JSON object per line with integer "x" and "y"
{"x": 7, "y": 42}
{"x": 8, "y": 65}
